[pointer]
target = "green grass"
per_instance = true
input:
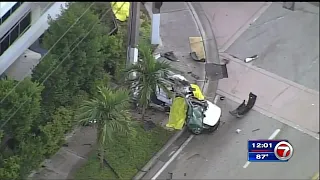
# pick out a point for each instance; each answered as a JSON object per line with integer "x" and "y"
{"x": 125, "y": 154}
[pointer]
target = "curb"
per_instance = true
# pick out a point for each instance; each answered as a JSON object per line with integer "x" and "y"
{"x": 206, "y": 31}
{"x": 153, "y": 160}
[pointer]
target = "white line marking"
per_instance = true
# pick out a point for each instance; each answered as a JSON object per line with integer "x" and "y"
{"x": 246, "y": 164}
{"x": 271, "y": 115}
{"x": 273, "y": 135}
{"x": 216, "y": 99}
{"x": 172, "y": 158}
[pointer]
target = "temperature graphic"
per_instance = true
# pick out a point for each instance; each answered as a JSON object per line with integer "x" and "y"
{"x": 269, "y": 150}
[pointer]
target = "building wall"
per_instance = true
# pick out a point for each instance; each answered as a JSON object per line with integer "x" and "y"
{"x": 34, "y": 23}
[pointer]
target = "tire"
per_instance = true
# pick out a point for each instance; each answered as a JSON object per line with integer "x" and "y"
{"x": 214, "y": 128}
{"x": 196, "y": 131}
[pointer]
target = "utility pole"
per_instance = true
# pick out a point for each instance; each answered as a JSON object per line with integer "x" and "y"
{"x": 133, "y": 30}
{"x": 155, "y": 25}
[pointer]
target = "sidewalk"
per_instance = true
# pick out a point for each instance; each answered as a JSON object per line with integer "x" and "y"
{"x": 277, "y": 97}
{"x": 286, "y": 75}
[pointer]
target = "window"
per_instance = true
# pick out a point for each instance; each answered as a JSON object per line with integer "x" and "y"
{"x": 8, "y": 39}
{"x": 14, "y": 34}
{"x": 25, "y": 22}
{"x": 4, "y": 44}
{"x": 12, "y": 10}
{"x": 16, "y": 6}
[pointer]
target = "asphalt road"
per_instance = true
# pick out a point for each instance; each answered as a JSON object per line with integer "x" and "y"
{"x": 287, "y": 43}
{"x": 223, "y": 154}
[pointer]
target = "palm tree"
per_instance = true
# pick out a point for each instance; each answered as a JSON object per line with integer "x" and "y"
{"x": 148, "y": 76}
{"x": 109, "y": 111}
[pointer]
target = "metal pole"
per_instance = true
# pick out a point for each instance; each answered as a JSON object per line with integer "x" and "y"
{"x": 155, "y": 25}
{"x": 288, "y": 5}
{"x": 133, "y": 33}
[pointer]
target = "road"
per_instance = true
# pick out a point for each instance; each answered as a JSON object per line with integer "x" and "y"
{"x": 286, "y": 79}
{"x": 223, "y": 154}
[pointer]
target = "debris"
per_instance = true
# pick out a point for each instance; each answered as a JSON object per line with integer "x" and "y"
{"x": 65, "y": 145}
{"x": 238, "y": 131}
{"x": 196, "y": 58}
{"x": 226, "y": 61}
{"x": 215, "y": 71}
{"x": 255, "y": 130}
{"x": 87, "y": 144}
{"x": 170, "y": 56}
{"x": 222, "y": 98}
{"x": 195, "y": 76}
{"x": 244, "y": 108}
{"x": 249, "y": 59}
{"x": 157, "y": 56}
{"x": 312, "y": 104}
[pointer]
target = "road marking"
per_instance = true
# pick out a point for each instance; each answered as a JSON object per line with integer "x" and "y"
{"x": 216, "y": 99}
{"x": 273, "y": 135}
{"x": 271, "y": 115}
{"x": 246, "y": 164}
{"x": 172, "y": 158}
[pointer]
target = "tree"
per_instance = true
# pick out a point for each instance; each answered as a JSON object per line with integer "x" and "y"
{"x": 78, "y": 67}
{"x": 53, "y": 132}
{"x": 149, "y": 76}
{"x": 109, "y": 109}
{"x": 20, "y": 108}
{"x": 19, "y": 112}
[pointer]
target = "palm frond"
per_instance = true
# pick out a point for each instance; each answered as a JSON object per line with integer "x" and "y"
{"x": 110, "y": 111}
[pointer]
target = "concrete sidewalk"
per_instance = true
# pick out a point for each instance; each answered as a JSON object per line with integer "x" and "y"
{"x": 277, "y": 97}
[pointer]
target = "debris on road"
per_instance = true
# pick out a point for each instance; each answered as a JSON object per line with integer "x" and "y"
{"x": 195, "y": 76}
{"x": 222, "y": 98}
{"x": 170, "y": 56}
{"x": 256, "y": 130}
{"x": 226, "y": 61}
{"x": 244, "y": 108}
{"x": 249, "y": 59}
{"x": 238, "y": 131}
{"x": 197, "y": 52}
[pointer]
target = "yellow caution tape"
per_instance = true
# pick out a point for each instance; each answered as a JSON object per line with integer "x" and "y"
{"x": 121, "y": 10}
{"x": 315, "y": 176}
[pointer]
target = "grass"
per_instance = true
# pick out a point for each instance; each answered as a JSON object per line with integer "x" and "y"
{"x": 126, "y": 154}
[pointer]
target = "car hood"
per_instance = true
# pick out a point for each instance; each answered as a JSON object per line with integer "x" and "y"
{"x": 212, "y": 114}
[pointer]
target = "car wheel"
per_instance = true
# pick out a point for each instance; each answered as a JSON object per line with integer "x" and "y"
{"x": 214, "y": 128}
{"x": 196, "y": 131}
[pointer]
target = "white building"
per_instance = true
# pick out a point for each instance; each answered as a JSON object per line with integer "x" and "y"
{"x": 21, "y": 25}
